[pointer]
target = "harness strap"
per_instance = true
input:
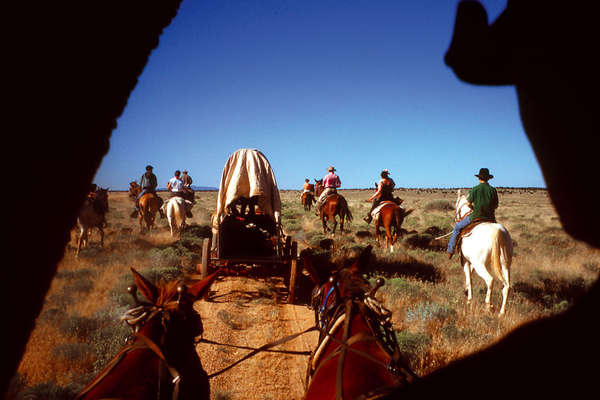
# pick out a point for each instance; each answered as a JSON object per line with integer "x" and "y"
{"x": 261, "y": 348}
{"x": 339, "y": 391}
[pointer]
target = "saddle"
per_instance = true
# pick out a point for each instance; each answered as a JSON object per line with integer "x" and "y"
{"x": 467, "y": 230}
{"x": 376, "y": 210}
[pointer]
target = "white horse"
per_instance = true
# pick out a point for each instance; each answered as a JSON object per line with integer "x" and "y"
{"x": 176, "y": 213}
{"x": 488, "y": 247}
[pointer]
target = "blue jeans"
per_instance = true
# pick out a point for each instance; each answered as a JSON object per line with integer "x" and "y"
{"x": 460, "y": 225}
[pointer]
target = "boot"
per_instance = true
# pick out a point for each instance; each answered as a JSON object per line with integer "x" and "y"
{"x": 368, "y": 218}
{"x": 134, "y": 213}
{"x": 450, "y": 255}
{"x": 162, "y": 213}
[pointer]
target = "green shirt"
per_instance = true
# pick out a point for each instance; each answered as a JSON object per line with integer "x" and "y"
{"x": 484, "y": 200}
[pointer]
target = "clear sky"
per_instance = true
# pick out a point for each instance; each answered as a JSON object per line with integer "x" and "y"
{"x": 358, "y": 84}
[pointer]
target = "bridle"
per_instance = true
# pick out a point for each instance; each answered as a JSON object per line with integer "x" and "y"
{"x": 332, "y": 312}
{"x": 136, "y": 318}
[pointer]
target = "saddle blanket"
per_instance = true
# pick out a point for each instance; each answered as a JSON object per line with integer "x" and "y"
{"x": 375, "y": 212}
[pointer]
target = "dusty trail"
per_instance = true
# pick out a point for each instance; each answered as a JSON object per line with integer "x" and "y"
{"x": 244, "y": 311}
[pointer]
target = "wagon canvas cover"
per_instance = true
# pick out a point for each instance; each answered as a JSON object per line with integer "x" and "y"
{"x": 248, "y": 173}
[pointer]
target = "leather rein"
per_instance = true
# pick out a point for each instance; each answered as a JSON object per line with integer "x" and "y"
{"x": 135, "y": 318}
{"x": 377, "y": 318}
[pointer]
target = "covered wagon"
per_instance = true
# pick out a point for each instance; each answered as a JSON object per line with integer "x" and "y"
{"x": 246, "y": 225}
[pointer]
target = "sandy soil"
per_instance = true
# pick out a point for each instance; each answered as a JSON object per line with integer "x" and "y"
{"x": 251, "y": 312}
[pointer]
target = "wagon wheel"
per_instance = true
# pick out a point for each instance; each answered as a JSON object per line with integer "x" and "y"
{"x": 205, "y": 257}
{"x": 293, "y": 271}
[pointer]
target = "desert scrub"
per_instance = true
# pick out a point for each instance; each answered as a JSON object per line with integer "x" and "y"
{"x": 439, "y": 205}
{"x": 423, "y": 313}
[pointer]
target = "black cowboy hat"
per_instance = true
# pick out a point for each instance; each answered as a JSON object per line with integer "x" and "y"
{"x": 484, "y": 174}
{"x": 149, "y": 167}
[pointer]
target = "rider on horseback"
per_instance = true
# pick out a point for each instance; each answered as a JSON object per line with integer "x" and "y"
{"x": 331, "y": 182}
{"x": 176, "y": 188}
{"x": 385, "y": 189}
{"x": 91, "y": 196}
{"x": 483, "y": 199}
{"x": 148, "y": 183}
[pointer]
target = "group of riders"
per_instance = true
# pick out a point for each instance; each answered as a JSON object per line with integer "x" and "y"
{"x": 482, "y": 199}
{"x": 178, "y": 186}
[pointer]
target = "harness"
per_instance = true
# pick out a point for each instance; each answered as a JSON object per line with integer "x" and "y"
{"x": 135, "y": 318}
{"x": 331, "y": 318}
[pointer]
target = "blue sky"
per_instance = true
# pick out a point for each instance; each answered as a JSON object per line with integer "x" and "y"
{"x": 358, "y": 84}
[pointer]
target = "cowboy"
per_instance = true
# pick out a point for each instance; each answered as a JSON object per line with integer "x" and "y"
{"x": 176, "y": 188}
{"x": 385, "y": 189}
{"x": 330, "y": 182}
{"x": 186, "y": 179}
{"x": 148, "y": 182}
{"x": 187, "y": 187}
{"x": 483, "y": 200}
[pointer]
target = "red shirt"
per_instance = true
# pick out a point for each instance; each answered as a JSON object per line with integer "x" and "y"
{"x": 331, "y": 180}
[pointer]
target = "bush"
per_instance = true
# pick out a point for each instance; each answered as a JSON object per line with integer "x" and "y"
{"x": 413, "y": 345}
{"x": 439, "y": 205}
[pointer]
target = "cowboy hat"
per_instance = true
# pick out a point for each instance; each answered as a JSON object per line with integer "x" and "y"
{"x": 331, "y": 169}
{"x": 386, "y": 171}
{"x": 149, "y": 167}
{"x": 484, "y": 174}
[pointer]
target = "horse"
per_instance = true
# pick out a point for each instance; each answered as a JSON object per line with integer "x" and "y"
{"x": 319, "y": 187}
{"x": 357, "y": 355}
{"x": 307, "y": 200}
{"x": 159, "y": 359}
{"x": 335, "y": 205}
{"x": 176, "y": 214}
{"x": 92, "y": 215}
{"x": 148, "y": 205}
{"x": 487, "y": 249}
{"x": 391, "y": 216}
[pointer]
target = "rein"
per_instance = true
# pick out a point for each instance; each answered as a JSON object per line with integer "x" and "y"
{"x": 135, "y": 318}
{"x": 375, "y": 315}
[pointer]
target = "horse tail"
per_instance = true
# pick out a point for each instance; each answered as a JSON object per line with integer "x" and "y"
{"x": 346, "y": 209}
{"x": 500, "y": 249}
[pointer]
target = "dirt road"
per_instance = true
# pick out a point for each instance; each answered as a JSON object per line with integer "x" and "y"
{"x": 251, "y": 312}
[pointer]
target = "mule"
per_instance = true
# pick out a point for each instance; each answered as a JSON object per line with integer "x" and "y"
{"x": 391, "y": 217}
{"x": 357, "y": 352}
{"x": 159, "y": 360}
{"x": 487, "y": 249}
{"x": 176, "y": 214}
{"x": 92, "y": 215}
{"x": 335, "y": 205}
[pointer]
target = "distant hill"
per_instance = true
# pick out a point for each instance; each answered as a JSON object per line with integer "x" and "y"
{"x": 196, "y": 188}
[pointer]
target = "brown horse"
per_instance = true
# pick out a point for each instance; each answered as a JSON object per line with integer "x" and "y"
{"x": 391, "y": 217}
{"x": 159, "y": 360}
{"x": 357, "y": 354}
{"x": 335, "y": 205}
{"x": 319, "y": 187}
{"x": 307, "y": 200}
{"x": 92, "y": 215}
{"x": 148, "y": 205}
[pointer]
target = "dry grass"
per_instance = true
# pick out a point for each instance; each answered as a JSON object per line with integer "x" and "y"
{"x": 424, "y": 289}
